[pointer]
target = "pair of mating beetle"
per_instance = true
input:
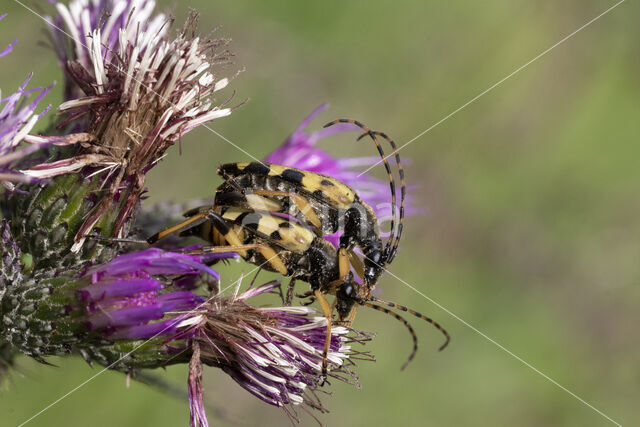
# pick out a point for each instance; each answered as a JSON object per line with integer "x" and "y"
{"x": 276, "y": 217}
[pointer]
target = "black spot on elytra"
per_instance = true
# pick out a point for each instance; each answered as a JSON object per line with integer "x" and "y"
{"x": 229, "y": 198}
{"x": 326, "y": 183}
{"x": 319, "y": 194}
{"x": 257, "y": 168}
{"x": 293, "y": 176}
{"x": 275, "y": 235}
{"x": 285, "y": 224}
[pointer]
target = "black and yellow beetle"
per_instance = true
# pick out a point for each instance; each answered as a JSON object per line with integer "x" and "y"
{"x": 276, "y": 217}
{"x": 327, "y": 205}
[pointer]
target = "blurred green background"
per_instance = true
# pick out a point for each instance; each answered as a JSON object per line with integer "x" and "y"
{"x": 532, "y": 228}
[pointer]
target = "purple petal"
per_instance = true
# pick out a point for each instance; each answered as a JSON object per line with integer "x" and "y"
{"x": 9, "y": 48}
{"x": 127, "y": 316}
{"x": 339, "y": 128}
{"x": 146, "y": 331}
{"x": 179, "y": 301}
{"x": 118, "y": 288}
{"x": 305, "y": 122}
{"x": 156, "y": 261}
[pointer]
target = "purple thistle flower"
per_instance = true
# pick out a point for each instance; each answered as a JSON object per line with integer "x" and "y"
{"x": 131, "y": 297}
{"x": 275, "y": 353}
{"x": 299, "y": 150}
{"x": 139, "y": 99}
{"x": 16, "y": 121}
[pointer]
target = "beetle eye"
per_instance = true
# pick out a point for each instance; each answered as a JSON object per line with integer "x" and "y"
{"x": 373, "y": 258}
{"x": 348, "y": 290}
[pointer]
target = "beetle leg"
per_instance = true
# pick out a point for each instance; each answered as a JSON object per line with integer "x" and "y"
{"x": 343, "y": 264}
{"x": 229, "y": 235}
{"x": 312, "y": 299}
{"x": 222, "y": 249}
{"x": 305, "y": 294}
{"x": 326, "y": 309}
{"x": 289, "y": 299}
{"x": 234, "y": 243}
{"x": 357, "y": 263}
{"x": 188, "y": 223}
{"x": 345, "y": 259}
{"x": 271, "y": 256}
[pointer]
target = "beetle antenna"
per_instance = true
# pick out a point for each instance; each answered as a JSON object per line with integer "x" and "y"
{"x": 415, "y": 313}
{"x": 392, "y": 183}
{"x": 409, "y": 327}
{"x": 403, "y": 192}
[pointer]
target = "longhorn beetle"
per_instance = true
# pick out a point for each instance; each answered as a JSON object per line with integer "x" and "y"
{"x": 276, "y": 216}
{"x": 327, "y": 205}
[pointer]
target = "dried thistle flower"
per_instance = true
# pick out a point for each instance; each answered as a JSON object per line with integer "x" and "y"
{"x": 154, "y": 91}
{"x": 275, "y": 353}
{"x": 72, "y": 31}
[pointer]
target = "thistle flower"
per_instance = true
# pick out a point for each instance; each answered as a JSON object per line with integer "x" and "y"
{"x": 135, "y": 296}
{"x": 72, "y": 29}
{"x": 299, "y": 150}
{"x": 126, "y": 297}
{"x": 141, "y": 311}
{"x": 275, "y": 353}
{"x": 136, "y": 107}
{"x": 16, "y": 121}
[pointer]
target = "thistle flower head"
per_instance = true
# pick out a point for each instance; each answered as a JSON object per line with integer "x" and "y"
{"x": 275, "y": 353}
{"x": 138, "y": 101}
{"x": 299, "y": 150}
{"x": 73, "y": 27}
{"x": 137, "y": 295}
{"x": 17, "y": 119}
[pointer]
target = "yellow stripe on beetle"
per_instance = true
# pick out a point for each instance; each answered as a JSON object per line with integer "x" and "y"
{"x": 334, "y": 192}
{"x": 281, "y": 231}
